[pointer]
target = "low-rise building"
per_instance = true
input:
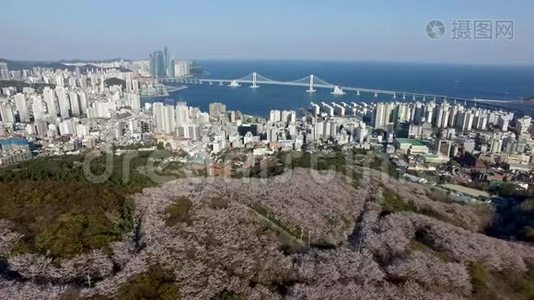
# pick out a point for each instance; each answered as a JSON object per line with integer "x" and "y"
{"x": 411, "y": 146}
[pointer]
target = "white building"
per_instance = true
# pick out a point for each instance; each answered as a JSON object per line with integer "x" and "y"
{"x": 50, "y": 101}
{"x": 503, "y": 122}
{"x": 22, "y": 108}
{"x": 38, "y": 108}
{"x": 523, "y": 124}
{"x": 7, "y": 114}
{"x": 74, "y": 104}
{"x": 275, "y": 116}
{"x": 83, "y": 103}
{"x": 289, "y": 116}
{"x": 182, "y": 114}
{"x": 64, "y": 105}
{"x": 181, "y": 68}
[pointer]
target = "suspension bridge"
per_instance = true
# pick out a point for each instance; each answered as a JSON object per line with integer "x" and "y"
{"x": 312, "y": 82}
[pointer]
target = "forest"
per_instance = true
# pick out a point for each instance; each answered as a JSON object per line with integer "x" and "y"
{"x": 60, "y": 212}
{"x": 279, "y": 231}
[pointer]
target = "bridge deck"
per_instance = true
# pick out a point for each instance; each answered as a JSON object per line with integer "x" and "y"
{"x": 397, "y": 94}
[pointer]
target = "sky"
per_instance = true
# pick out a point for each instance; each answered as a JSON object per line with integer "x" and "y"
{"x": 374, "y": 30}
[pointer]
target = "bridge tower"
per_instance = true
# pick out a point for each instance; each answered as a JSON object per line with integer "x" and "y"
{"x": 357, "y": 92}
{"x": 376, "y": 94}
{"x": 337, "y": 91}
{"x": 254, "y": 80}
{"x": 310, "y": 88}
{"x": 394, "y": 95}
{"x": 234, "y": 83}
{"x": 413, "y": 98}
{"x": 403, "y": 96}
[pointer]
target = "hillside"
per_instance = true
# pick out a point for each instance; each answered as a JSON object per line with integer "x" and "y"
{"x": 300, "y": 235}
{"x": 529, "y": 100}
{"x": 28, "y": 65}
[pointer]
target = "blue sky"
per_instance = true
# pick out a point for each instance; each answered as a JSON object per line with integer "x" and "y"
{"x": 376, "y": 30}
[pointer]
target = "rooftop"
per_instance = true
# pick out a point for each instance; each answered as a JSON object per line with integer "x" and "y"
{"x": 466, "y": 190}
{"x": 413, "y": 142}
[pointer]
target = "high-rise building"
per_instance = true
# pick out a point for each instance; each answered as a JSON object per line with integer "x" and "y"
{"x": 384, "y": 114}
{"x": 418, "y": 113}
{"x": 67, "y": 127}
{"x": 289, "y": 116}
{"x": 496, "y": 146}
{"x": 327, "y": 109}
{"x": 38, "y": 108}
{"x": 429, "y": 112}
{"x": 452, "y": 114}
{"x": 166, "y": 60}
{"x": 442, "y": 116}
{"x": 4, "y": 71}
{"x": 164, "y": 118}
{"x": 319, "y": 130}
{"x": 74, "y": 104}
{"x": 41, "y": 127}
{"x": 157, "y": 113}
{"x": 64, "y": 105}
{"x": 182, "y": 68}
{"x": 415, "y": 131}
{"x": 272, "y": 134}
{"x": 60, "y": 80}
{"x": 22, "y": 108}
{"x": 217, "y": 110}
{"x": 157, "y": 64}
{"x": 100, "y": 110}
{"x": 338, "y": 109}
{"x": 182, "y": 113}
{"x": 141, "y": 68}
{"x": 503, "y": 122}
{"x": 360, "y": 133}
{"x": 315, "y": 109}
{"x": 464, "y": 120}
{"x": 523, "y": 124}
{"x": 403, "y": 113}
{"x": 169, "y": 120}
{"x": 134, "y": 101}
{"x": 275, "y": 115}
{"x": 6, "y": 113}
{"x": 50, "y": 101}
{"x": 83, "y": 102}
{"x": 161, "y": 64}
{"x": 193, "y": 132}
{"x": 378, "y": 117}
{"x": 480, "y": 121}
{"x": 169, "y": 63}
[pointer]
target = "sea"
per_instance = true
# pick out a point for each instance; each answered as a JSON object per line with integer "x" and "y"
{"x": 460, "y": 81}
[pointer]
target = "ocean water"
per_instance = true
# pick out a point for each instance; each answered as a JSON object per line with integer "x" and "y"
{"x": 488, "y": 82}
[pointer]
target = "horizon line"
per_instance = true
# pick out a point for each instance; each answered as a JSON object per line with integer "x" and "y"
{"x": 263, "y": 59}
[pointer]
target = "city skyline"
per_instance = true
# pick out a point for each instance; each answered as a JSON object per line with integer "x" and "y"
{"x": 266, "y": 150}
{"x": 343, "y": 30}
